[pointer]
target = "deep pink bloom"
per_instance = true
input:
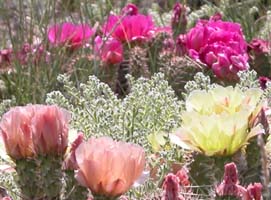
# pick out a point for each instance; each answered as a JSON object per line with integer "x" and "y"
{"x": 35, "y": 130}
{"x": 263, "y": 81}
{"x": 129, "y": 28}
{"x": 219, "y": 45}
{"x": 255, "y": 191}
{"x": 110, "y": 51}
{"x": 259, "y": 46}
{"x": 130, "y": 9}
{"x": 70, "y": 34}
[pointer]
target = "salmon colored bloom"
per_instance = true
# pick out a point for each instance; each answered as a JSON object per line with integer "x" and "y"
{"x": 73, "y": 35}
{"x": 16, "y": 131}
{"x": 50, "y": 129}
{"x": 108, "y": 167}
{"x": 34, "y": 129}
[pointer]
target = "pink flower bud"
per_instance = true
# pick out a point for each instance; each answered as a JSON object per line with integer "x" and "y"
{"x": 255, "y": 191}
{"x": 171, "y": 188}
{"x": 130, "y": 9}
{"x": 70, "y": 160}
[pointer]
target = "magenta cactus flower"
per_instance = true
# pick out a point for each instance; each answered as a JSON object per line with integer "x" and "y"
{"x": 129, "y": 28}
{"x": 110, "y": 51}
{"x": 72, "y": 35}
{"x": 219, "y": 45}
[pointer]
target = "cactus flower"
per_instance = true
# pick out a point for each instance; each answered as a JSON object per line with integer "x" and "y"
{"x": 110, "y": 51}
{"x": 218, "y": 121}
{"x": 107, "y": 167}
{"x": 219, "y": 45}
{"x": 69, "y": 34}
{"x": 34, "y": 130}
{"x": 129, "y": 28}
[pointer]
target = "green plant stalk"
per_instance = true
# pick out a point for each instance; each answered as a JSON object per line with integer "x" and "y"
{"x": 40, "y": 178}
{"x": 73, "y": 190}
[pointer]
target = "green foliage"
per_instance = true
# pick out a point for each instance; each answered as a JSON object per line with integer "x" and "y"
{"x": 151, "y": 107}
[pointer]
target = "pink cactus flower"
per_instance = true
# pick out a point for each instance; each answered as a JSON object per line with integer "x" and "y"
{"x": 70, "y": 34}
{"x": 129, "y": 28}
{"x": 16, "y": 131}
{"x": 259, "y": 46}
{"x": 50, "y": 129}
{"x": 219, "y": 45}
{"x": 110, "y": 51}
{"x": 130, "y": 9}
{"x": 108, "y": 167}
{"x": 70, "y": 160}
{"x": 34, "y": 130}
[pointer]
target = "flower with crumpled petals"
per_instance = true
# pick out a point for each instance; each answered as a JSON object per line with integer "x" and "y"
{"x": 220, "y": 45}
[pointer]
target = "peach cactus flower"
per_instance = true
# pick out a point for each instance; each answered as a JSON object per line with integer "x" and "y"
{"x": 50, "y": 129}
{"x": 34, "y": 129}
{"x": 108, "y": 167}
{"x": 16, "y": 132}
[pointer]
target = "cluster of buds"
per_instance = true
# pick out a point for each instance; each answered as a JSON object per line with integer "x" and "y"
{"x": 175, "y": 184}
{"x": 26, "y": 54}
{"x": 230, "y": 186}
